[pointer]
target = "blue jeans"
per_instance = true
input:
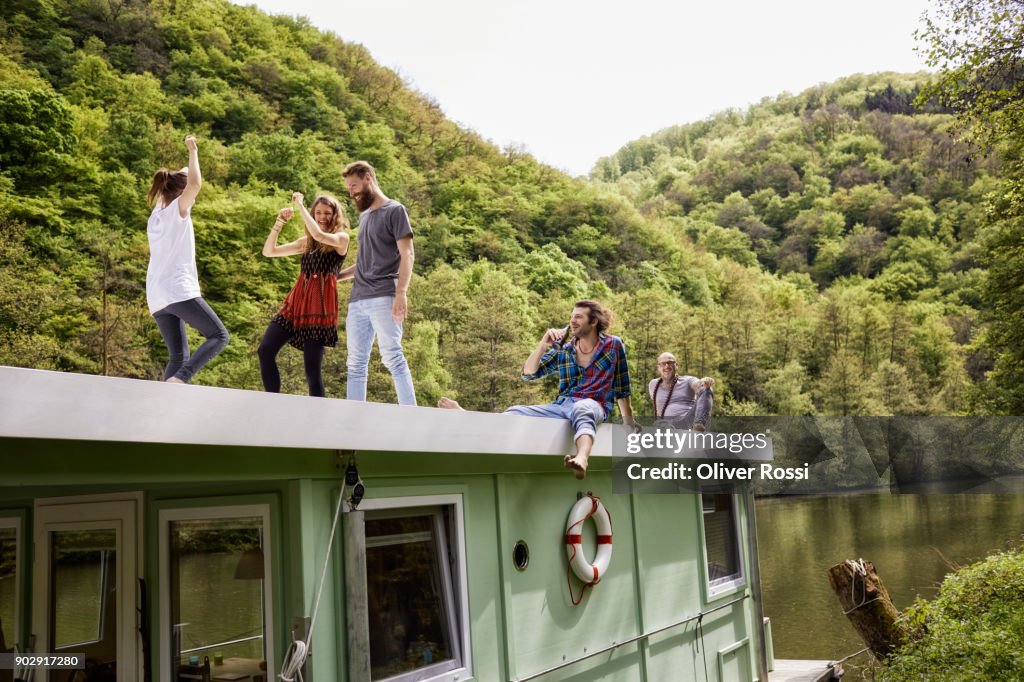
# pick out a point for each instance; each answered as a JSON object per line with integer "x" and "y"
{"x": 171, "y": 321}
{"x": 584, "y": 414}
{"x": 367, "y": 318}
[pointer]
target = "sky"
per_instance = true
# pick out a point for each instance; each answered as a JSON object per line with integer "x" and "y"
{"x": 572, "y": 81}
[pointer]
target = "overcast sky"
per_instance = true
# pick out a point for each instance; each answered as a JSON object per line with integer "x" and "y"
{"x": 574, "y": 80}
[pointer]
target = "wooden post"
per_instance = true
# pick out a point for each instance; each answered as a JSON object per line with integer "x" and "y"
{"x": 867, "y": 604}
{"x": 356, "y": 602}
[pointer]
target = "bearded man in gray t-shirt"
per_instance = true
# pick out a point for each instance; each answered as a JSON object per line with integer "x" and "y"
{"x": 378, "y": 303}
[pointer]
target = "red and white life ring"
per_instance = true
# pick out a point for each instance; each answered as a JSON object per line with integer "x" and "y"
{"x": 585, "y": 508}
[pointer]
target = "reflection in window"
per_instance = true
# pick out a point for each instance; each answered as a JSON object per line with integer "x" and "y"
{"x": 8, "y": 586}
{"x": 411, "y": 602}
{"x": 721, "y": 539}
{"x": 83, "y": 588}
{"x": 216, "y": 585}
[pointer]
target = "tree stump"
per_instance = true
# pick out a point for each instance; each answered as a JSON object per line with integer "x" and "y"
{"x": 867, "y": 604}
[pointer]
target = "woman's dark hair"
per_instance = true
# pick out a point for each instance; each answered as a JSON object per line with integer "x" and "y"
{"x": 167, "y": 185}
{"x": 338, "y": 221}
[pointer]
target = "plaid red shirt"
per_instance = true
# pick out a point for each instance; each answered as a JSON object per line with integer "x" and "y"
{"x": 605, "y": 380}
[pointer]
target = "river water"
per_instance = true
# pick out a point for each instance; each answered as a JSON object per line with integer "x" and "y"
{"x": 910, "y": 539}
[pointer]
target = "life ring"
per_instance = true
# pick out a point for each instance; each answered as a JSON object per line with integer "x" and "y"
{"x": 585, "y": 508}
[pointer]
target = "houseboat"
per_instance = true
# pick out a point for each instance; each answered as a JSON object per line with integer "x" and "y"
{"x": 170, "y": 533}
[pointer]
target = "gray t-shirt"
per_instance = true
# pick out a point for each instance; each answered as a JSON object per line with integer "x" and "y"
{"x": 682, "y": 397}
{"x": 378, "y": 258}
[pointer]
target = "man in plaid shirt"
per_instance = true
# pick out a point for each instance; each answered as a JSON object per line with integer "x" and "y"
{"x": 592, "y": 376}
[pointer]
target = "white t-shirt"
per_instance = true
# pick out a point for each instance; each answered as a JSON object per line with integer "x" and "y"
{"x": 172, "y": 276}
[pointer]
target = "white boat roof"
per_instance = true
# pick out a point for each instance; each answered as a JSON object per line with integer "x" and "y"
{"x": 48, "y": 405}
{"x": 64, "y": 406}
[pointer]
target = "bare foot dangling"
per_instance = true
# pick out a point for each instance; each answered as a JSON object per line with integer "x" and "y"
{"x": 174, "y": 380}
{"x": 448, "y": 404}
{"x": 579, "y": 469}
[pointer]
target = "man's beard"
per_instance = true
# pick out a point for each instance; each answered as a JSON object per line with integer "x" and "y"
{"x": 363, "y": 200}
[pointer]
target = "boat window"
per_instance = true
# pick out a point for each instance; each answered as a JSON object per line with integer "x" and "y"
{"x": 416, "y": 594}
{"x": 217, "y": 575}
{"x": 9, "y": 561}
{"x": 83, "y": 574}
{"x": 721, "y": 542}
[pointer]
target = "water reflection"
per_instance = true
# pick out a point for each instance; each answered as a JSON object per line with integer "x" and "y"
{"x": 216, "y": 607}
{"x": 910, "y": 538}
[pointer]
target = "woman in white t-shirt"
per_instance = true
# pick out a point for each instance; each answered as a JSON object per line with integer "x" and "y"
{"x": 172, "y": 281}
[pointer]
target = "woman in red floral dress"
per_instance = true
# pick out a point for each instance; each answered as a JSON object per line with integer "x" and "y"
{"x": 308, "y": 318}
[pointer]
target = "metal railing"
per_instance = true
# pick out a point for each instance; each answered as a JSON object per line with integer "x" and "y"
{"x": 616, "y": 645}
{"x": 218, "y": 645}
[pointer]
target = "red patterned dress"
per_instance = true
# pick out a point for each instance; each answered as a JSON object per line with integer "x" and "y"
{"x": 310, "y": 311}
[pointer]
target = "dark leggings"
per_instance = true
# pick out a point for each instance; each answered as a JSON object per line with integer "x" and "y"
{"x": 273, "y": 341}
{"x": 171, "y": 321}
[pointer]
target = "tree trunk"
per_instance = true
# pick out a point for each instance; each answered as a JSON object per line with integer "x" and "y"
{"x": 867, "y": 604}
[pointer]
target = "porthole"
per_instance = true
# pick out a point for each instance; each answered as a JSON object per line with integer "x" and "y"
{"x": 521, "y": 555}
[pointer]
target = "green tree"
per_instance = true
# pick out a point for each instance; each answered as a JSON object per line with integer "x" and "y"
{"x": 976, "y": 47}
{"x": 36, "y": 137}
{"x": 488, "y": 358}
{"x": 785, "y": 391}
{"x": 549, "y": 269}
{"x": 431, "y": 378}
{"x": 845, "y": 390}
{"x": 112, "y": 298}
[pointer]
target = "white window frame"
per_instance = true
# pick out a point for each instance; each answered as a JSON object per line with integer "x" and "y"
{"x": 166, "y": 516}
{"x": 457, "y": 584}
{"x": 65, "y": 513}
{"x": 722, "y": 586}
{"x": 16, "y": 522}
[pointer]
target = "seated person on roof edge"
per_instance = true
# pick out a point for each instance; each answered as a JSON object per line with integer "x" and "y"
{"x": 592, "y": 376}
{"x": 685, "y": 402}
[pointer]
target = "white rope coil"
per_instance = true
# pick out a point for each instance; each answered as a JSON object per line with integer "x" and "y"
{"x": 858, "y": 567}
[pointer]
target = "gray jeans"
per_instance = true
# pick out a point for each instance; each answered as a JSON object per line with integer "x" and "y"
{"x": 698, "y": 413}
{"x": 171, "y": 321}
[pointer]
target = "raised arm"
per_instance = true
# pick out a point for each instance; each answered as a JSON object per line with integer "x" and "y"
{"x": 195, "y": 178}
{"x": 271, "y": 249}
{"x": 338, "y": 240}
{"x": 533, "y": 363}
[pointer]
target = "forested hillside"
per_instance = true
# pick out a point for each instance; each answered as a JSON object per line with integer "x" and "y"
{"x": 819, "y": 253}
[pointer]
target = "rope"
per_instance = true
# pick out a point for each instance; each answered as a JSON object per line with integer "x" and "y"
{"x": 844, "y": 660}
{"x": 858, "y": 568}
{"x": 298, "y": 652}
{"x": 654, "y": 398}
{"x": 701, "y": 647}
{"x": 568, "y": 579}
